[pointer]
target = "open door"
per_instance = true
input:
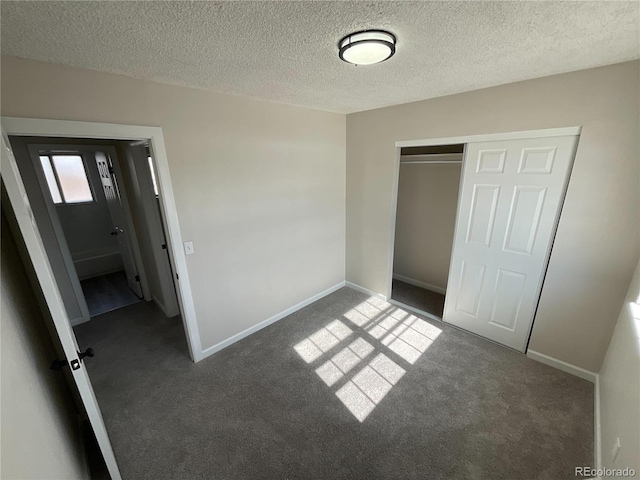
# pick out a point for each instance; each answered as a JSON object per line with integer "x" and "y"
{"x": 150, "y": 227}
{"x": 114, "y": 202}
{"x": 510, "y": 202}
{"x": 35, "y": 248}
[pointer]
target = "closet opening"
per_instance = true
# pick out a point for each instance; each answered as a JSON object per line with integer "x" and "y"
{"x": 427, "y": 202}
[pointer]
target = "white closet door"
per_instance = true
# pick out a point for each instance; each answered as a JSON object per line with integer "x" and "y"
{"x": 512, "y": 193}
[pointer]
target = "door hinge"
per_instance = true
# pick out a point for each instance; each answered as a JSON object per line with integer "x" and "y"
{"x": 137, "y": 278}
{"x": 177, "y": 277}
{"x": 164, "y": 246}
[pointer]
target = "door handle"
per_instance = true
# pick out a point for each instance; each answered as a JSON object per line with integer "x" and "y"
{"x": 75, "y": 364}
{"x": 87, "y": 353}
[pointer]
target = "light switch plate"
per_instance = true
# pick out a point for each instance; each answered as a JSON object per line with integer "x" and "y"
{"x": 188, "y": 248}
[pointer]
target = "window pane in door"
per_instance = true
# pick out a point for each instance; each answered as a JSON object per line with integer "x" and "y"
{"x": 73, "y": 178}
{"x": 51, "y": 179}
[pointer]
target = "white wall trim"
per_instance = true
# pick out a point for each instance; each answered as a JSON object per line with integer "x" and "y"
{"x": 490, "y": 137}
{"x": 586, "y": 375}
{"x": 40, "y": 127}
{"x": 394, "y": 214}
{"x": 159, "y": 304}
{"x": 564, "y": 366}
{"x": 418, "y": 283}
{"x": 265, "y": 323}
{"x": 355, "y": 286}
{"x": 597, "y": 427}
{"x": 110, "y": 131}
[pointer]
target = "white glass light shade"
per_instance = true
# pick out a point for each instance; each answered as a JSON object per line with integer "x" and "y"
{"x": 366, "y": 48}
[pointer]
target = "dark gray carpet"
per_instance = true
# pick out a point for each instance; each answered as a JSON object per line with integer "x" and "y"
{"x": 433, "y": 406}
{"x": 107, "y": 292}
{"x": 417, "y": 297}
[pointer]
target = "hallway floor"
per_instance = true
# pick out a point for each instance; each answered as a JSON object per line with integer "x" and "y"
{"x": 107, "y": 292}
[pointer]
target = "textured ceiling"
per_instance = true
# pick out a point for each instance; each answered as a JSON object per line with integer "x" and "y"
{"x": 286, "y": 51}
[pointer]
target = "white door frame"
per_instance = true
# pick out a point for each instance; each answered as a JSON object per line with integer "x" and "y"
{"x": 550, "y": 132}
{"x": 35, "y": 127}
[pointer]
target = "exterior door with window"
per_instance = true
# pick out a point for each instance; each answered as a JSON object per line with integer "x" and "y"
{"x": 512, "y": 193}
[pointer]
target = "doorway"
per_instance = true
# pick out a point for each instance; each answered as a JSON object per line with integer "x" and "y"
{"x": 509, "y": 199}
{"x": 90, "y": 213}
{"x": 43, "y": 265}
{"x": 97, "y": 207}
{"x": 428, "y": 188}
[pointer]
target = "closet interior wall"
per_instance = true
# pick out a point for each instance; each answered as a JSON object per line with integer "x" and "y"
{"x": 428, "y": 190}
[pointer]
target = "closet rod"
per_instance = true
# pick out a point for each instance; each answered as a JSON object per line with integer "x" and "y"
{"x": 442, "y": 162}
{"x": 432, "y": 157}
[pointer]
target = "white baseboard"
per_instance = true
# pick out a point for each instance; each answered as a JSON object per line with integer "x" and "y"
{"x": 265, "y": 323}
{"x": 591, "y": 377}
{"x": 160, "y": 305}
{"x": 418, "y": 283}
{"x": 78, "y": 321}
{"x": 564, "y": 366}
{"x": 355, "y": 286}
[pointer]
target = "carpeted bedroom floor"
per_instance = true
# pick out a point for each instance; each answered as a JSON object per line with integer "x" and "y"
{"x": 349, "y": 387}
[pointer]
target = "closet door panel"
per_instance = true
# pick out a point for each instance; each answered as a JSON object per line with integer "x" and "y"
{"x": 482, "y": 215}
{"x": 510, "y": 201}
{"x": 471, "y": 285}
{"x": 524, "y": 219}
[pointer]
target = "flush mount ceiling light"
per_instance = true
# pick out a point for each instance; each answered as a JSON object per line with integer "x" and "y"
{"x": 367, "y": 47}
